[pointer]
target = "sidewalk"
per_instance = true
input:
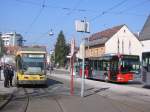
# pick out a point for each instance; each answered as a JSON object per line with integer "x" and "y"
{"x": 112, "y": 87}
{"x": 104, "y": 97}
{"x": 5, "y": 93}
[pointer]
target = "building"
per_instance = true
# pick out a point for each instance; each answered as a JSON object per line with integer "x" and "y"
{"x": 118, "y": 39}
{"x": 11, "y": 42}
{"x": 12, "y": 39}
{"x": 144, "y": 36}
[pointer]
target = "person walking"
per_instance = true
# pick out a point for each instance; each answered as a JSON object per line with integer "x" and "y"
{"x": 11, "y": 75}
{"x": 6, "y": 75}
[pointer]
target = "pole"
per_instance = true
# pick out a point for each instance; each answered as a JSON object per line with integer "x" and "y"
{"x": 82, "y": 82}
{"x": 72, "y": 69}
{"x": 83, "y": 60}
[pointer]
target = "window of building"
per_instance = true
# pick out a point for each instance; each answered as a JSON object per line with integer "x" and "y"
{"x": 6, "y": 42}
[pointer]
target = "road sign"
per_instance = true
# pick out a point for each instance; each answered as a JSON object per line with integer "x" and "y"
{"x": 82, "y": 26}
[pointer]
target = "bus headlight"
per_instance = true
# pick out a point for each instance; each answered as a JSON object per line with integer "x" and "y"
{"x": 119, "y": 78}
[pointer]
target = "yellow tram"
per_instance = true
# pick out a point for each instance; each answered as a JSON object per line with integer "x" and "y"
{"x": 31, "y": 65}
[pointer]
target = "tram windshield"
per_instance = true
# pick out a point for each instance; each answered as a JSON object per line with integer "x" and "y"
{"x": 33, "y": 65}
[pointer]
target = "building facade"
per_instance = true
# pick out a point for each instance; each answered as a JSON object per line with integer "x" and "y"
{"x": 145, "y": 36}
{"x": 118, "y": 39}
{"x": 12, "y": 39}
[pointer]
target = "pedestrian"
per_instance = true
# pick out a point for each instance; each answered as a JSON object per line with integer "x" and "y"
{"x": 11, "y": 75}
{"x": 6, "y": 75}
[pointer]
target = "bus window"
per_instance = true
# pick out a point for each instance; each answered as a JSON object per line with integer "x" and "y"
{"x": 130, "y": 66}
{"x": 105, "y": 65}
{"x": 114, "y": 66}
{"x": 98, "y": 65}
{"x": 95, "y": 65}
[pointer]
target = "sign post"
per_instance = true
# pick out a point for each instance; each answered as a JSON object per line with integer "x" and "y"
{"x": 72, "y": 66}
{"x": 82, "y": 26}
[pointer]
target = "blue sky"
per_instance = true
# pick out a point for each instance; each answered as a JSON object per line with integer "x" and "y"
{"x": 34, "y": 18}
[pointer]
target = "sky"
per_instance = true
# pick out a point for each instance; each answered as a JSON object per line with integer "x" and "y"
{"x": 34, "y": 19}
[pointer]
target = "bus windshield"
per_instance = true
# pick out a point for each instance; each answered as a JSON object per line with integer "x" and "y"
{"x": 129, "y": 65}
{"x": 33, "y": 65}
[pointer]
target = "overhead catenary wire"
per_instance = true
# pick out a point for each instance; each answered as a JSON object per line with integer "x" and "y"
{"x": 109, "y": 9}
{"x": 75, "y": 7}
{"x": 56, "y": 7}
{"x": 84, "y": 10}
{"x": 134, "y": 6}
{"x": 36, "y": 17}
{"x": 29, "y": 2}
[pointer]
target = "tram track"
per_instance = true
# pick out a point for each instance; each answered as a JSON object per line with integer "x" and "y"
{"x": 27, "y": 102}
{"x": 19, "y": 102}
{"x": 32, "y": 95}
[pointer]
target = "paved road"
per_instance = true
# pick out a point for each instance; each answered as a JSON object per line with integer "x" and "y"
{"x": 56, "y": 98}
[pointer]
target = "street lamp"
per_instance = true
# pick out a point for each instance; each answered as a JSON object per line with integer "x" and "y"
{"x": 51, "y": 33}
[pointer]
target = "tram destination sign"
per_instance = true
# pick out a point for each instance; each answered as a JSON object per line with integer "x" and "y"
{"x": 34, "y": 55}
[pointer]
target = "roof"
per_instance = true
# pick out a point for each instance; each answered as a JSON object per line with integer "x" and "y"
{"x": 145, "y": 32}
{"x": 103, "y": 36}
{"x": 33, "y": 49}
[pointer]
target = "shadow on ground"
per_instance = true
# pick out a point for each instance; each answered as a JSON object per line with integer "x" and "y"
{"x": 147, "y": 87}
{"x": 92, "y": 91}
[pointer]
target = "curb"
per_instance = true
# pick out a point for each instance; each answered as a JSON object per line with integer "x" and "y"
{"x": 61, "y": 69}
{"x": 5, "y": 102}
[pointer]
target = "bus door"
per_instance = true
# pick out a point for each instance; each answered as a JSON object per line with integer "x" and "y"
{"x": 104, "y": 73}
{"x": 146, "y": 68}
{"x": 95, "y": 70}
{"x": 113, "y": 69}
